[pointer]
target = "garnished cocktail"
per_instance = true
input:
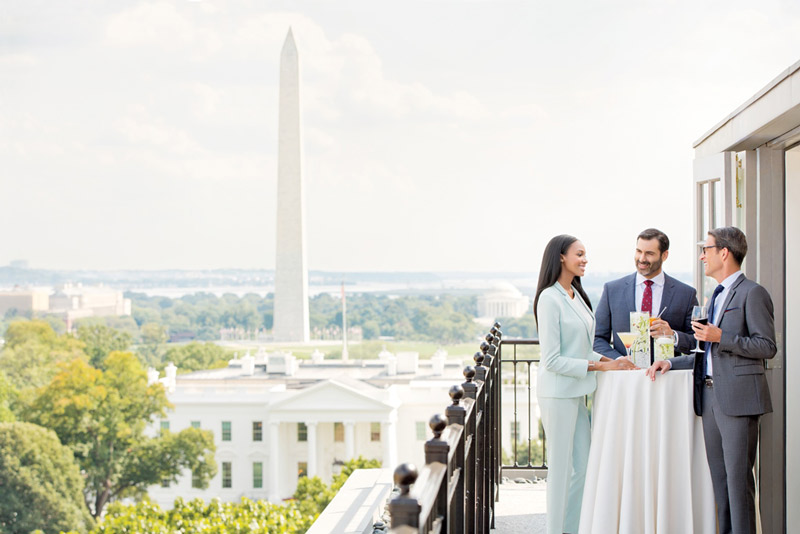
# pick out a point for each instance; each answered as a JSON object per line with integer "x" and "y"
{"x": 627, "y": 339}
{"x": 664, "y": 347}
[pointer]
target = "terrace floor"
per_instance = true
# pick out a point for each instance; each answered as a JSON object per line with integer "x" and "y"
{"x": 521, "y": 508}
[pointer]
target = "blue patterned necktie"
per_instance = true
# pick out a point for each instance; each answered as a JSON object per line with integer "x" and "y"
{"x": 717, "y": 291}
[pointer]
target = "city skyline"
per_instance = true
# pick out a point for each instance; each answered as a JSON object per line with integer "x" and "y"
{"x": 440, "y": 136}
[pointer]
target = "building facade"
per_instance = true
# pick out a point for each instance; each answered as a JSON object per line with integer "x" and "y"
{"x": 276, "y": 419}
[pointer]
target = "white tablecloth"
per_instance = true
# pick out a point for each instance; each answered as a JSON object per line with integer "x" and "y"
{"x": 647, "y": 465}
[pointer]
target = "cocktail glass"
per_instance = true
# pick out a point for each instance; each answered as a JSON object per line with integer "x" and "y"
{"x": 664, "y": 347}
{"x": 627, "y": 339}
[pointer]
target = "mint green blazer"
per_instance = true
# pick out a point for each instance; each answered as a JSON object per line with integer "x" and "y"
{"x": 565, "y": 338}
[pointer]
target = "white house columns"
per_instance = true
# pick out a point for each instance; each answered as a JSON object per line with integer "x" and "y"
{"x": 312, "y": 449}
{"x": 274, "y": 462}
{"x": 349, "y": 440}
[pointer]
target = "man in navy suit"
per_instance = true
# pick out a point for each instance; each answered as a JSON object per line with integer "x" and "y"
{"x": 648, "y": 289}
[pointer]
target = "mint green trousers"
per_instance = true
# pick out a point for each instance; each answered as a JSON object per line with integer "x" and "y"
{"x": 566, "y": 427}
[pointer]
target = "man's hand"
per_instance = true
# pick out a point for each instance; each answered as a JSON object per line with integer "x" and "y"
{"x": 660, "y": 365}
{"x": 660, "y": 327}
{"x": 706, "y": 332}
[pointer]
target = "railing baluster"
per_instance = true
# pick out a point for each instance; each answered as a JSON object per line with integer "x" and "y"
{"x": 457, "y": 489}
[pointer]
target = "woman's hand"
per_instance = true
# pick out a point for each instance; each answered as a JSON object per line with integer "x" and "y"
{"x": 620, "y": 364}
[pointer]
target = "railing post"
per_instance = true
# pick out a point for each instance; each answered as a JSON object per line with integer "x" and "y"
{"x": 495, "y": 440}
{"x": 470, "y": 387}
{"x": 479, "y": 357}
{"x": 436, "y": 450}
{"x": 463, "y": 499}
{"x": 404, "y": 509}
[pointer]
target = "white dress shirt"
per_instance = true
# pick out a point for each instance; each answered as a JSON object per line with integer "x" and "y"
{"x": 718, "y": 302}
{"x": 658, "y": 291}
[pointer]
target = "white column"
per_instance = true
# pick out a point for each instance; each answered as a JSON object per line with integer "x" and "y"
{"x": 349, "y": 441}
{"x": 389, "y": 438}
{"x": 274, "y": 463}
{"x": 312, "y": 449}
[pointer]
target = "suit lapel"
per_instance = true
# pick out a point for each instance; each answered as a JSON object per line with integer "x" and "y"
{"x": 728, "y": 299}
{"x": 630, "y": 293}
{"x": 569, "y": 303}
{"x": 667, "y": 294}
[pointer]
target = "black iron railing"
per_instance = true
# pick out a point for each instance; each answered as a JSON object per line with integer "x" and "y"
{"x": 512, "y": 366}
{"x": 456, "y": 490}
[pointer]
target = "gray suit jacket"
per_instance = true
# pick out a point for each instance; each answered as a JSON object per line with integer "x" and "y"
{"x": 618, "y": 300}
{"x": 748, "y": 339}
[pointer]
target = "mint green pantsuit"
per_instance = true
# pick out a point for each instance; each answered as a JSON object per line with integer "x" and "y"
{"x": 566, "y": 336}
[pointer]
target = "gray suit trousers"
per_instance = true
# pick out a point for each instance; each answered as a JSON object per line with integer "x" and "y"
{"x": 731, "y": 451}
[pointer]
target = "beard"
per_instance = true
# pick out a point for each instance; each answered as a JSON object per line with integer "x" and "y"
{"x": 648, "y": 268}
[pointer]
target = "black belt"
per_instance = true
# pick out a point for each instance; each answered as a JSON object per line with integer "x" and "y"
{"x": 709, "y": 381}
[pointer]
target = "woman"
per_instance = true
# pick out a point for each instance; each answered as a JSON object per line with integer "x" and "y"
{"x": 565, "y": 321}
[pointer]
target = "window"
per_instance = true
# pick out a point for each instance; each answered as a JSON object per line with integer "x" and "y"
{"x": 195, "y": 424}
{"x": 514, "y": 431}
{"x": 302, "y": 432}
{"x": 338, "y": 432}
{"x": 258, "y": 472}
{"x": 164, "y": 426}
{"x": 196, "y": 482}
{"x": 302, "y": 469}
{"x": 165, "y": 482}
{"x": 374, "y": 431}
{"x": 226, "y": 431}
{"x": 227, "y": 478}
{"x": 258, "y": 431}
{"x": 421, "y": 431}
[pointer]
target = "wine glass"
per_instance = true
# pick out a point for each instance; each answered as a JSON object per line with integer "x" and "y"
{"x": 699, "y": 314}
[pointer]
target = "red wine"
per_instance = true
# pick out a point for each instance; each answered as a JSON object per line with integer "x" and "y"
{"x": 703, "y": 321}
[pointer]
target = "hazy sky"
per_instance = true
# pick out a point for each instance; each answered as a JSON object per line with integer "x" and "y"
{"x": 439, "y": 135}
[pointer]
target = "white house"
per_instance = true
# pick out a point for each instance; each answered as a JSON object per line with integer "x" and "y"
{"x": 276, "y": 419}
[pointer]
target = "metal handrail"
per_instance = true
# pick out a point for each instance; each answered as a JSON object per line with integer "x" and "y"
{"x": 456, "y": 490}
{"x": 514, "y": 360}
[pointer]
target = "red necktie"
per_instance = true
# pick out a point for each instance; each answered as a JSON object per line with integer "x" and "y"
{"x": 647, "y": 297}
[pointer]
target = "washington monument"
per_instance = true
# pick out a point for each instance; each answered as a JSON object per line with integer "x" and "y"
{"x": 291, "y": 274}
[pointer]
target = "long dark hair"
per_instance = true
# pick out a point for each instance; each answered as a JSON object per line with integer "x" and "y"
{"x": 551, "y": 270}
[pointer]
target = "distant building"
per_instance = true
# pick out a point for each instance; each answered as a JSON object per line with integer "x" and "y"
{"x": 25, "y": 300}
{"x": 503, "y": 300}
{"x": 276, "y": 419}
{"x": 77, "y": 302}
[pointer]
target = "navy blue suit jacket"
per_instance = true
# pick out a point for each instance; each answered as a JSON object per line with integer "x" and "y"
{"x": 618, "y": 301}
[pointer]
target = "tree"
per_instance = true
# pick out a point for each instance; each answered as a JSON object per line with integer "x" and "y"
{"x": 6, "y": 397}
{"x": 31, "y": 352}
{"x": 101, "y": 341}
{"x": 102, "y": 416}
{"x": 40, "y": 485}
{"x": 153, "y": 336}
{"x": 195, "y": 356}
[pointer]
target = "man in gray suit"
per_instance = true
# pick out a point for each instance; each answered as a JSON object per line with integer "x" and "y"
{"x": 648, "y": 289}
{"x": 731, "y": 390}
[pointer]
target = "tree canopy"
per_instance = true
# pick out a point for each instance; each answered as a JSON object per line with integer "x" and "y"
{"x": 102, "y": 416}
{"x": 40, "y": 485}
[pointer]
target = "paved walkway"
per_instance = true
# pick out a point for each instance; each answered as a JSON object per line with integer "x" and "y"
{"x": 521, "y": 508}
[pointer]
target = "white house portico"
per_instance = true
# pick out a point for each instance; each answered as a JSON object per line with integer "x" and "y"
{"x": 350, "y": 404}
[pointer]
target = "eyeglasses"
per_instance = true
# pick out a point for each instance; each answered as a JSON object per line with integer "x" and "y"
{"x": 708, "y": 247}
